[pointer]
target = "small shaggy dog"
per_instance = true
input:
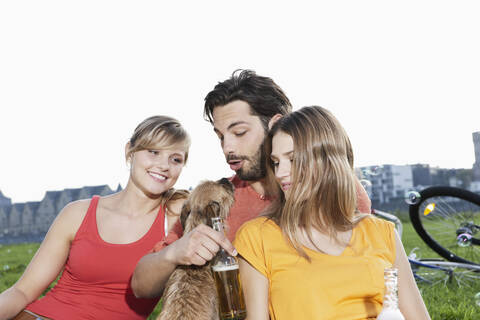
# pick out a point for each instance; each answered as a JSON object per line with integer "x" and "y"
{"x": 190, "y": 292}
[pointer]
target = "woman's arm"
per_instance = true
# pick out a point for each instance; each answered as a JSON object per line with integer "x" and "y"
{"x": 46, "y": 264}
{"x": 255, "y": 290}
{"x": 410, "y": 301}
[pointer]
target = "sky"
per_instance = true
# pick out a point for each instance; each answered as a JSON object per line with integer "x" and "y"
{"x": 76, "y": 77}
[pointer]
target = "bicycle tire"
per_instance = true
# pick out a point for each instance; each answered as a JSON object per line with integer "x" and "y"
{"x": 435, "y": 272}
{"x": 438, "y": 228}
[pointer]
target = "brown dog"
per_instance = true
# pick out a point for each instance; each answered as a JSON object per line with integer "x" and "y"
{"x": 190, "y": 292}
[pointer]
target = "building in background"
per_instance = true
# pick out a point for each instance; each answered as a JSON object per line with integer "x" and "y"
{"x": 476, "y": 165}
{"x": 29, "y": 222}
{"x": 421, "y": 175}
{"x": 4, "y": 201}
{"x": 388, "y": 184}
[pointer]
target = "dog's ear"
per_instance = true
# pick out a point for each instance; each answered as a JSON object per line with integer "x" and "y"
{"x": 185, "y": 213}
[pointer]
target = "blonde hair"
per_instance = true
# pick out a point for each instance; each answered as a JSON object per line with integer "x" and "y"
{"x": 323, "y": 191}
{"x": 166, "y": 131}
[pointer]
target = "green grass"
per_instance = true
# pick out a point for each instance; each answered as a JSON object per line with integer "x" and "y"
{"x": 444, "y": 302}
{"x": 13, "y": 261}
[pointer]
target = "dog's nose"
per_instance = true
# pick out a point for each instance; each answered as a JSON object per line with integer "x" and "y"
{"x": 224, "y": 181}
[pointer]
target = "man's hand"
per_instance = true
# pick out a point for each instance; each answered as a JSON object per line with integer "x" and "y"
{"x": 198, "y": 246}
{"x": 194, "y": 248}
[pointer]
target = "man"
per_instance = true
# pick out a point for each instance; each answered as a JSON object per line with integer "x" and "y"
{"x": 241, "y": 110}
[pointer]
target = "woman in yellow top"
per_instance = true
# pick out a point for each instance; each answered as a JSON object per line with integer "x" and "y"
{"x": 313, "y": 256}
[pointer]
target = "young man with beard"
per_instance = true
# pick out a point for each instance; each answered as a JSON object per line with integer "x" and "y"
{"x": 241, "y": 110}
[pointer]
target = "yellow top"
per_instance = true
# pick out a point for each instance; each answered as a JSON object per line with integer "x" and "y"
{"x": 348, "y": 286}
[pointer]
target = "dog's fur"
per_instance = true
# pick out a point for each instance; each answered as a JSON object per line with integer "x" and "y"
{"x": 190, "y": 293}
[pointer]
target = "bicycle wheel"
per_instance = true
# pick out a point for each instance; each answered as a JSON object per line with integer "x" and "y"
{"x": 448, "y": 220}
{"x": 435, "y": 272}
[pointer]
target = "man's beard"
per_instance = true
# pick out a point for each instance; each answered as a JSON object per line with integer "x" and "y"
{"x": 257, "y": 169}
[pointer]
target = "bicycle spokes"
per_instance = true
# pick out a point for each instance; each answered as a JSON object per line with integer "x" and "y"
{"x": 448, "y": 220}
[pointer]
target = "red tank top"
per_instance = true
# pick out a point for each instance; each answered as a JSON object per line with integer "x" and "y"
{"x": 95, "y": 283}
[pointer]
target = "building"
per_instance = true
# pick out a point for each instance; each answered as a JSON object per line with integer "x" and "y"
{"x": 460, "y": 178}
{"x": 390, "y": 184}
{"x": 4, "y": 201}
{"x": 30, "y": 221}
{"x": 476, "y": 165}
{"x": 421, "y": 175}
{"x": 475, "y": 186}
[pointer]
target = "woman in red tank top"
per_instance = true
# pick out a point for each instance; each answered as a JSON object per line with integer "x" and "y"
{"x": 98, "y": 242}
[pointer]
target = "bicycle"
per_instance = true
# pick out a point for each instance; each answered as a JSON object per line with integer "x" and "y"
{"x": 435, "y": 271}
{"x": 448, "y": 220}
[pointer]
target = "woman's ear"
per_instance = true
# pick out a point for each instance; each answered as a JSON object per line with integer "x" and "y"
{"x": 274, "y": 119}
{"x": 128, "y": 155}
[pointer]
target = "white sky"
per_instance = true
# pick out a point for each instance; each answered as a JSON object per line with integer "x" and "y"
{"x": 76, "y": 77}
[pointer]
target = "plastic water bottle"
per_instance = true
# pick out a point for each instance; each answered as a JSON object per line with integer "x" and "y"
{"x": 390, "y": 309}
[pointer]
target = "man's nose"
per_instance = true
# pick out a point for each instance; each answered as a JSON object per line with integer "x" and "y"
{"x": 228, "y": 146}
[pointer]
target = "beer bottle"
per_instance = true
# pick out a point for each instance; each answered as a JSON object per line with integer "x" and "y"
{"x": 231, "y": 303}
{"x": 390, "y": 309}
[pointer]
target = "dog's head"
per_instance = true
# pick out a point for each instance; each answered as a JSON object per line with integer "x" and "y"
{"x": 209, "y": 199}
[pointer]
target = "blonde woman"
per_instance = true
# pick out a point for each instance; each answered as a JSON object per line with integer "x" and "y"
{"x": 97, "y": 242}
{"x": 313, "y": 256}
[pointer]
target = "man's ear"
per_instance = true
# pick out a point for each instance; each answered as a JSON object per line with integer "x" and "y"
{"x": 274, "y": 119}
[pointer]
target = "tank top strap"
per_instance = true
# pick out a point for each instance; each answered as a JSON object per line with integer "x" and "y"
{"x": 159, "y": 228}
{"x": 89, "y": 222}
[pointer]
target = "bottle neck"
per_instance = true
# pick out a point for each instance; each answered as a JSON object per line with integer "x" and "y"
{"x": 223, "y": 258}
{"x": 218, "y": 225}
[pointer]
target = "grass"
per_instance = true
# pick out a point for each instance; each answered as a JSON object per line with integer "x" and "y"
{"x": 444, "y": 302}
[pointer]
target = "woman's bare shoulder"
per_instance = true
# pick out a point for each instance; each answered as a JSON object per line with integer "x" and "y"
{"x": 71, "y": 216}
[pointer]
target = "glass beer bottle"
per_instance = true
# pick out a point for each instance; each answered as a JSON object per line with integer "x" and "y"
{"x": 390, "y": 309}
{"x": 231, "y": 303}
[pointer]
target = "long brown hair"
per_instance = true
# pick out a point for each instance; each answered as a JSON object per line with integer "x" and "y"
{"x": 323, "y": 194}
{"x": 167, "y": 131}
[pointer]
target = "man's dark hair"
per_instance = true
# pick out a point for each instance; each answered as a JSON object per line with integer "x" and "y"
{"x": 263, "y": 95}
